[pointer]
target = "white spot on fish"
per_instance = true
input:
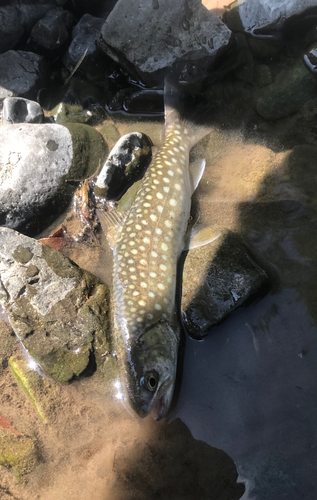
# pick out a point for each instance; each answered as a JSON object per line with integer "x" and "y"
{"x": 135, "y": 293}
{"x": 165, "y": 179}
{"x": 131, "y": 243}
{"x": 154, "y": 254}
{"x": 166, "y": 189}
{"x": 163, "y": 267}
{"x": 178, "y": 187}
{"x": 168, "y": 223}
{"x": 138, "y": 227}
{"x": 150, "y": 316}
{"x": 170, "y": 172}
{"x": 133, "y": 277}
{"x": 151, "y": 294}
{"x": 159, "y": 196}
{"x": 168, "y": 163}
{"x": 161, "y": 286}
{"x": 143, "y": 284}
{"x": 158, "y": 307}
{"x": 160, "y": 208}
{"x": 164, "y": 247}
{"x": 148, "y": 197}
{"x": 153, "y": 217}
{"x": 143, "y": 262}
{"x": 158, "y": 230}
{"x": 173, "y": 202}
{"x": 147, "y": 240}
{"x": 174, "y": 160}
{"x": 132, "y": 287}
{"x": 153, "y": 275}
{"x": 142, "y": 303}
{"x": 134, "y": 251}
{"x": 144, "y": 222}
{"x": 147, "y": 205}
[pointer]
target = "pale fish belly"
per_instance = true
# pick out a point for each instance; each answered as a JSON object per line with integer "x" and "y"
{"x": 151, "y": 240}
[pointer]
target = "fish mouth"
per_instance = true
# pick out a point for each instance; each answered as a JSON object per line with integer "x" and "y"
{"x": 162, "y": 406}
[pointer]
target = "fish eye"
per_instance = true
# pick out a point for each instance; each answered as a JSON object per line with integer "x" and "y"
{"x": 151, "y": 381}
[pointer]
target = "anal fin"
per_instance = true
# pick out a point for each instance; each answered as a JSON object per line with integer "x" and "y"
{"x": 111, "y": 223}
{"x": 203, "y": 235}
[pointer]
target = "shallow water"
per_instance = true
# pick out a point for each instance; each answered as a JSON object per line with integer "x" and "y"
{"x": 247, "y": 395}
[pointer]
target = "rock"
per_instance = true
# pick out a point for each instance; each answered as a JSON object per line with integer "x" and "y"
{"x": 126, "y": 163}
{"x": 85, "y": 35}
{"x": 8, "y": 342}
{"x": 53, "y": 30}
{"x": 144, "y": 102}
{"x": 218, "y": 278}
{"x": 152, "y": 38}
{"x": 60, "y": 313}
{"x": 21, "y": 74}
{"x": 17, "y": 18}
{"x": 264, "y": 17}
{"x": 77, "y": 102}
{"x": 20, "y": 110}
{"x": 287, "y": 94}
{"x": 75, "y": 113}
{"x": 17, "y": 452}
{"x": 39, "y": 390}
{"x": 35, "y": 162}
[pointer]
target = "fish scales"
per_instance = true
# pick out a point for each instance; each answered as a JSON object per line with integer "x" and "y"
{"x": 147, "y": 243}
{"x": 151, "y": 240}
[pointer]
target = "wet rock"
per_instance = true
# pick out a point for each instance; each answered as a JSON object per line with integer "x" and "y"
{"x": 39, "y": 390}
{"x": 109, "y": 131}
{"x": 21, "y": 74}
{"x": 61, "y": 314}
{"x": 8, "y": 342}
{"x": 288, "y": 93}
{"x": 85, "y": 35}
{"x": 17, "y": 452}
{"x": 126, "y": 163}
{"x": 151, "y": 38}
{"x": 35, "y": 162}
{"x": 75, "y": 113}
{"x": 20, "y": 110}
{"x": 53, "y": 30}
{"x": 17, "y": 18}
{"x": 218, "y": 278}
{"x": 264, "y": 17}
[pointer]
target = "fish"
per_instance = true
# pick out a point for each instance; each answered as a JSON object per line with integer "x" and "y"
{"x": 147, "y": 241}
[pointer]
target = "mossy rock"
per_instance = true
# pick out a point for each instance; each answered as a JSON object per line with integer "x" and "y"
{"x": 17, "y": 452}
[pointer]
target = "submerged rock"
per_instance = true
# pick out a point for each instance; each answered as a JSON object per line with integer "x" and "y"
{"x": 52, "y": 31}
{"x": 20, "y": 110}
{"x": 21, "y": 74}
{"x": 264, "y": 17}
{"x": 288, "y": 93}
{"x": 126, "y": 164}
{"x": 151, "y": 38}
{"x": 17, "y": 452}
{"x": 58, "y": 311}
{"x": 218, "y": 278}
{"x": 8, "y": 342}
{"x": 35, "y": 162}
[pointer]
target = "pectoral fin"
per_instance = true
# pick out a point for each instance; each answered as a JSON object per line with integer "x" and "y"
{"x": 196, "y": 170}
{"x": 111, "y": 223}
{"x": 202, "y": 235}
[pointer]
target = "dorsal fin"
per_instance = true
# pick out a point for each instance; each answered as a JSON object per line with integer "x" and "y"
{"x": 111, "y": 223}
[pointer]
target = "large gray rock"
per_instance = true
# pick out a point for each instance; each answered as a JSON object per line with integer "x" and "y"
{"x": 21, "y": 74}
{"x": 58, "y": 311}
{"x": 53, "y": 30}
{"x": 259, "y": 16}
{"x": 18, "y": 17}
{"x": 20, "y": 110}
{"x": 150, "y": 38}
{"x": 35, "y": 161}
{"x": 218, "y": 278}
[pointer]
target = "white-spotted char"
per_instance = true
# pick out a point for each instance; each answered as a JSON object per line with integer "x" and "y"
{"x": 146, "y": 253}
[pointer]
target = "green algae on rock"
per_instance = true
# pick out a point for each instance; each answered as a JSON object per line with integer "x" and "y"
{"x": 39, "y": 390}
{"x": 218, "y": 278}
{"x": 61, "y": 314}
{"x": 17, "y": 452}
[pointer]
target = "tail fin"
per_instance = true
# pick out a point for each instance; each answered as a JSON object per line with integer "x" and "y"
{"x": 175, "y": 113}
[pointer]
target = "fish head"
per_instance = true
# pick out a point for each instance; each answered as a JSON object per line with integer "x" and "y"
{"x": 152, "y": 370}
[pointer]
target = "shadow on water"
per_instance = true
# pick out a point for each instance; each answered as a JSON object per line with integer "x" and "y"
{"x": 172, "y": 464}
